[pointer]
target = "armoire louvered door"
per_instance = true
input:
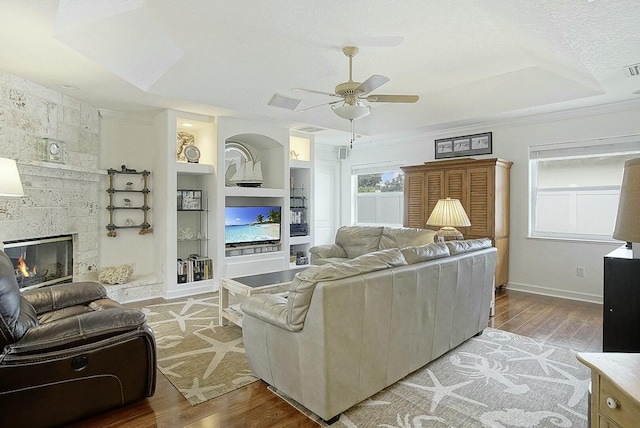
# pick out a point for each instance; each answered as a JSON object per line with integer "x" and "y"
{"x": 481, "y": 185}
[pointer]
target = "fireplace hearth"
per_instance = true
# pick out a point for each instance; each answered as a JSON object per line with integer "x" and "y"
{"x": 42, "y": 261}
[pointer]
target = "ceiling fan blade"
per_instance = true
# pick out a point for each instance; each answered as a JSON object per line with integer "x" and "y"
{"x": 316, "y": 92}
{"x": 319, "y": 105}
{"x": 373, "y": 82}
{"x": 392, "y": 98}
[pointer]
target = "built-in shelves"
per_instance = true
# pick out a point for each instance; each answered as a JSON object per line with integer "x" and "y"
{"x": 272, "y": 146}
{"x": 192, "y": 233}
{"x": 300, "y": 201}
{"x": 298, "y": 223}
{"x": 252, "y": 192}
{"x": 184, "y": 236}
{"x": 194, "y": 262}
{"x": 194, "y": 168}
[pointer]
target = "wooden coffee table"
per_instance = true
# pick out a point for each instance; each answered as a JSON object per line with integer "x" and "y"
{"x": 249, "y": 286}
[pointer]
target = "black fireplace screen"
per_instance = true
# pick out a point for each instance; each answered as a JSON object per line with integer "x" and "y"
{"x": 40, "y": 262}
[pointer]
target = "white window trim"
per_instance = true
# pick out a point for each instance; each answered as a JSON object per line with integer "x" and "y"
{"x": 584, "y": 148}
{"x": 370, "y": 168}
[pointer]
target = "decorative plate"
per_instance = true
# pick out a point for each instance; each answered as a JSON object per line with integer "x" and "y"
{"x": 192, "y": 154}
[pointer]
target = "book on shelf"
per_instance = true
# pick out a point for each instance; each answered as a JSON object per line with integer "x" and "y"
{"x": 194, "y": 268}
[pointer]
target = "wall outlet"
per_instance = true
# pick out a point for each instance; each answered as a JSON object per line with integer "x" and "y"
{"x": 580, "y": 271}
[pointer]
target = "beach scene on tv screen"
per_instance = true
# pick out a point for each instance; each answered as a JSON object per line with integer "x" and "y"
{"x": 252, "y": 224}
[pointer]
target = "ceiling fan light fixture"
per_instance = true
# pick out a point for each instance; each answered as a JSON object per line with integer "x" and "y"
{"x": 352, "y": 112}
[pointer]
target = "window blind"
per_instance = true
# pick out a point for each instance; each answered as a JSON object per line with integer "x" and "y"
{"x": 601, "y": 147}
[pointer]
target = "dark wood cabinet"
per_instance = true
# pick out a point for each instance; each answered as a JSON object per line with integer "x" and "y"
{"x": 621, "y": 309}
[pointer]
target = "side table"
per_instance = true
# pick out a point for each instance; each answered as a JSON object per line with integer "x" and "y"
{"x": 248, "y": 286}
{"x": 615, "y": 388}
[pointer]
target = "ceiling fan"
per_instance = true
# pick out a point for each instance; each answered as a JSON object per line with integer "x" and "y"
{"x": 353, "y": 93}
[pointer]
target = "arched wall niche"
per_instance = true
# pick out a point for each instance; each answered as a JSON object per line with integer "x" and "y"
{"x": 257, "y": 152}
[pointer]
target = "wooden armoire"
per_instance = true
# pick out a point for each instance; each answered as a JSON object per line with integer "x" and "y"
{"x": 481, "y": 185}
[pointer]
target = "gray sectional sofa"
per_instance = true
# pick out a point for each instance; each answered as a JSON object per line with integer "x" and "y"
{"x": 354, "y": 241}
{"x": 346, "y": 330}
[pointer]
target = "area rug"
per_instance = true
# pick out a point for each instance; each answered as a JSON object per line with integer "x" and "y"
{"x": 199, "y": 357}
{"x": 498, "y": 379}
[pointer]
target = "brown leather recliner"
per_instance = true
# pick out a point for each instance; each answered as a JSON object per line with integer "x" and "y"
{"x": 68, "y": 352}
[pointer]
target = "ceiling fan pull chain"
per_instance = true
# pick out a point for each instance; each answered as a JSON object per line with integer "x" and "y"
{"x": 353, "y": 135}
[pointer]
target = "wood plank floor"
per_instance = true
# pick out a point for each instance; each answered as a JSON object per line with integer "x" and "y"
{"x": 576, "y": 325}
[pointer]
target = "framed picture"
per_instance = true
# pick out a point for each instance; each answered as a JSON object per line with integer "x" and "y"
{"x": 467, "y": 145}
{"x": 190, "y": 200}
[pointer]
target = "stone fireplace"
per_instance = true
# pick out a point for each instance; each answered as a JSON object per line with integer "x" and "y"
{"x": 60, "y": 198}
{"x": 43, "y": 261}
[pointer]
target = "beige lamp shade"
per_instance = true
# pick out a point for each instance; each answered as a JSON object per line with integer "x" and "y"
{"x": 449, "y": 214}
{"x": 10, "y": 185}
{"x": 628, "y": 219}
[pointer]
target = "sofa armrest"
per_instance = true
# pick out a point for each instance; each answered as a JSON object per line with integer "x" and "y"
{"x": 327, "y": 251}
{"x": 59, "y": 296}
{"x": 269, "y": 308}
{"x": 74, "y": 331}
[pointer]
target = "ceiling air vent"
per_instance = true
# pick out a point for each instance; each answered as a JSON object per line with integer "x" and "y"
{"x": 281, "y": 101}
{"x": 632, "y": 70}
{"x": 309, "y": 129}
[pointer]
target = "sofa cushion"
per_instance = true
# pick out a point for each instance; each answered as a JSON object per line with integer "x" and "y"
{"x": 304, "y": 282}
{"x": 329, "y": 260}
{"x": 370, "y": 262}
{"x": 423, "y": 253}
{"x": 401, "y": 237}
{"x": 328, "y": 251}
{"x": 359, "y": 240}
{"x": 468, "y": 245}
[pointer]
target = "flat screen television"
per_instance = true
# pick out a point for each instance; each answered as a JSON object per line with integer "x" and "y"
{"x": 251, "y": 225}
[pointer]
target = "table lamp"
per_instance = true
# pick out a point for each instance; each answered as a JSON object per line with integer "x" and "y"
{"x": 10, "y": 185}
{"x": 628, "y": 219}
{"x": 449, "y": 214}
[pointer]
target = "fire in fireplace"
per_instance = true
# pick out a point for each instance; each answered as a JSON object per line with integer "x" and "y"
{"x": 42, "y": 261}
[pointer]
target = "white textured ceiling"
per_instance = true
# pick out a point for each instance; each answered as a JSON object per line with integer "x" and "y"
{"x": 468, "y": 60}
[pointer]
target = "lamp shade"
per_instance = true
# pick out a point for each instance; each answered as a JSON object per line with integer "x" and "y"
{"x": 352, "y": 112}
{"x": 10, "y": 185}
{"x": 448, "y": 212}
{"x": 628, "y": 219}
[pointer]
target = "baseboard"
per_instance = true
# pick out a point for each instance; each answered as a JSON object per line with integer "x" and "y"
{"x": 191, "y": 290}
{"x": 563, "y": 294}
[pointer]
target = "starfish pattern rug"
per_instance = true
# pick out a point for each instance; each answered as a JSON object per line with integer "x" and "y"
{"x": 199, "y": 357}
{"x": 498, "y": 380}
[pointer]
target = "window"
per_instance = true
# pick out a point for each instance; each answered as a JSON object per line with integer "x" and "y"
{"x": 575, "y": 187}
{"x": 379, "y": 194}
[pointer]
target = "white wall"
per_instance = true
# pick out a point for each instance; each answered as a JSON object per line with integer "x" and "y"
{"x": 547, "y": 266}
{"x": 536, "y": 265}
{"x": 127, "y": 140}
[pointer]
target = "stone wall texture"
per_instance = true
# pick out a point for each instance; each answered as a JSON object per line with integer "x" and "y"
{"x": 60, "y": 198}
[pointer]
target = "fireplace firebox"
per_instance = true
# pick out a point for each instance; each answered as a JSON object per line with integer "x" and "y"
{"x": 42, "y": 261}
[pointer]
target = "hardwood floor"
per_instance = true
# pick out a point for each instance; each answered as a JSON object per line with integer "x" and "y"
{"x": 569, "y": 323}
{"x": 572, "y": 324}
